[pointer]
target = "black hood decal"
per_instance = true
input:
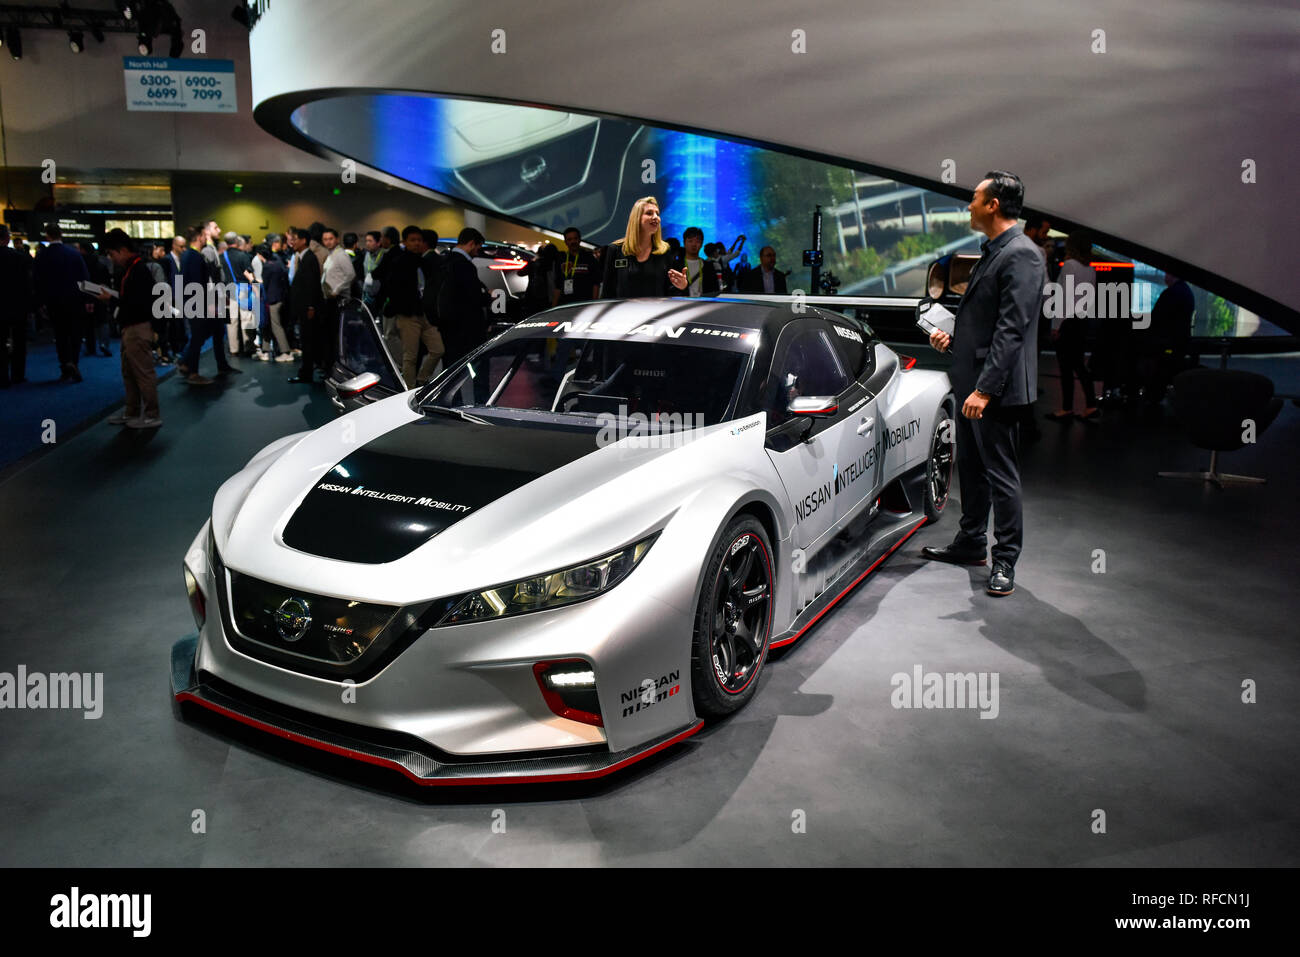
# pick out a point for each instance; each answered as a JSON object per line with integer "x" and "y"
{"x": 398, "y": 491}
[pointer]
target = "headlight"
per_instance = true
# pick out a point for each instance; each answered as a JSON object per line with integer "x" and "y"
{"x": 552, "y": 590}
{"x": 193, "y": 591}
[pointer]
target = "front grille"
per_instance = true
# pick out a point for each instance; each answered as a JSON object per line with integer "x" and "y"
{"x": 332, "y": 630}
{"x": 315, "y": 634}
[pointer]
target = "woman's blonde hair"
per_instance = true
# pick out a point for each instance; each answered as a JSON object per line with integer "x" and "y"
{"x": 629, "y": 243}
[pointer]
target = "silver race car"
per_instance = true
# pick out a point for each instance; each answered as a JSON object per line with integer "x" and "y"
{"x": 569, "y": 549}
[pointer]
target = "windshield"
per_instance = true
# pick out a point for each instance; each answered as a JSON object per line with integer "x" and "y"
{"x": 580, "y": 378}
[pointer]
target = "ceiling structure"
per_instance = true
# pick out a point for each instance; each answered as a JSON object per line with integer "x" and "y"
{"x": 1171, "y": 127}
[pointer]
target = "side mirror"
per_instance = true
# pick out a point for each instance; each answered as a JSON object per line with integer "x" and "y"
{"x": 357, "y": 384}
{"x": 963, "y": 264}
{"x": 812, "y": 406}
{"x": 936, "y": 280}
{"x": 806, "y": 409}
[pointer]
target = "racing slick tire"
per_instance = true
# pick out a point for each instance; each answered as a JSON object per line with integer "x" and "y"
{"x": 733, "y": 623}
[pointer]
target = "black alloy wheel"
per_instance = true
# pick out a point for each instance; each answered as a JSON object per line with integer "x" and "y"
{"x": 938, "y": 468}
{"x": 734, "y": 621}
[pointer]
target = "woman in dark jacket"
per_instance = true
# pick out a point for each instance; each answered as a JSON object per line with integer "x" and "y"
{"x": 639, "y": 264}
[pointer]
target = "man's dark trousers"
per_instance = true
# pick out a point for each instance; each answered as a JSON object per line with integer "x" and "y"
{"x": 202, "y": 329}
{"x": 68, "y": 316}
{"x": 993, "y": 441}
{"x": 311, "y": 337}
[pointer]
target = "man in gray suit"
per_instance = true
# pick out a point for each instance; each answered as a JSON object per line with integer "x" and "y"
{"x": 994, "y": 374}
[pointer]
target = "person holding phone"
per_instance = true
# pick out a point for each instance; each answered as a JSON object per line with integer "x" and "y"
{"x": 639, "y": 265}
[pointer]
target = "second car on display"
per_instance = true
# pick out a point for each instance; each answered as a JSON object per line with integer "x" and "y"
{"x": 571, "y": 547}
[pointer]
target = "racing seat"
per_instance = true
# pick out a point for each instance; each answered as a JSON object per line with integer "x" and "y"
{"x": 1217, "y": 406}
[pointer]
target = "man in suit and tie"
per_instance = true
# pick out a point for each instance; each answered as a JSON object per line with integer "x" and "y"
{"x": 766, "y": 279}
{"x": 306, "y": 303}
{"x": 462, "y": 298}
{"x": 176, "y": 320}
{"x": 994, "y": 375}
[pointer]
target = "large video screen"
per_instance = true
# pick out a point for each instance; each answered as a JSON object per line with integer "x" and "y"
{"x": 556, "y": 169}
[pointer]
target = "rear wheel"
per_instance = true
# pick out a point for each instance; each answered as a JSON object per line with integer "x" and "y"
{"x": 939, "y": 467}
{"x": 733, "y": 623}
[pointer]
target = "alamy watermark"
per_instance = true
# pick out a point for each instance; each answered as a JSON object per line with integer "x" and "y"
{"x": 1097, "y": 300}
{"x": 211, "y": 300}
{"x": 81, "y": 691}
{"x": 949, "y": 690}
{"x": 660, "y": 430}
{"x": 75, "y": 910}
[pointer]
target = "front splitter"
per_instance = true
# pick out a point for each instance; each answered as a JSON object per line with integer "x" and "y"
{"x": 415, "y": 765}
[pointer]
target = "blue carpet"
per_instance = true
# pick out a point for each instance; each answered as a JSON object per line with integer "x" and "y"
{"x": 43, "y": 408}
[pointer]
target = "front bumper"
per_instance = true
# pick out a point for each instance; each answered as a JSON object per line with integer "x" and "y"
{"x": 402, "y": 753}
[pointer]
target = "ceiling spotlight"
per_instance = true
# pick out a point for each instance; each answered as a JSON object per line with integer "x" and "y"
{"x": 76, "y": 41}
{"x": 144, "y": 44}
{"x": 14, "y": 40}
{"x": 126, "y": 9}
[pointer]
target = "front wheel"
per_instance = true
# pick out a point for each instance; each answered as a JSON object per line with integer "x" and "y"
{"x": 733, "y": 623}
{"x": 939, "y": 466}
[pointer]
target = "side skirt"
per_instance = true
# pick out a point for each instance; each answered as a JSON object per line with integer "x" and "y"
{"x": 881, "y": 537}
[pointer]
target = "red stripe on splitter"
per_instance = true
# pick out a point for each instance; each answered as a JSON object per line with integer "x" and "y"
{"x": 876, "y": 564}
{"x": 428, "y": 782}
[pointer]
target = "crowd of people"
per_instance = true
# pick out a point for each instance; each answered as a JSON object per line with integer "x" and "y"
{"x": 278, "y": 300}
{"x": 1113, "y": 362}
{"x": 275, "y": 301}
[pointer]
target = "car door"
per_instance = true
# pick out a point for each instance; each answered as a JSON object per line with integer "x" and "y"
{"x": 361, "y": 350}
{"x": 858, "y": 477}
{"x": 807, "y": 453}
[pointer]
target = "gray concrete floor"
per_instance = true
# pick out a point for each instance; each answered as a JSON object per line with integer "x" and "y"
{"x": 1118, "y": 691}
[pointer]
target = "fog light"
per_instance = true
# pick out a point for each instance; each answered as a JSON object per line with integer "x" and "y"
{"x": 198, "y": 604}
{"x": 569, "y": 687}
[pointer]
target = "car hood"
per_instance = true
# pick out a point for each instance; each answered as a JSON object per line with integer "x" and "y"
{"x": 395, "y": 506}
{"x": 402, "y": 488}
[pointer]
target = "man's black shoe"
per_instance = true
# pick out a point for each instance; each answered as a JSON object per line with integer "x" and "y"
{"x": 1003, "y": 579}
{"x": 229, "y": 370}
{"x": 955, "y": 555}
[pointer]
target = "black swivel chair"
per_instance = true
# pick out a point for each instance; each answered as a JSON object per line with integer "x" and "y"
{"x": 1214, "y": 404}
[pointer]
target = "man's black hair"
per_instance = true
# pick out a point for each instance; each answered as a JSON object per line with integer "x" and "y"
{"x": 430, "y": 237}
{"x": 117, "y": 239}
{"x": 349, "y": 240}
{"x": 412, "y": 229}
{"x": 469, "y": 235}
{"x": 1008, "y": 190}
{"x": 693, "y": 231}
